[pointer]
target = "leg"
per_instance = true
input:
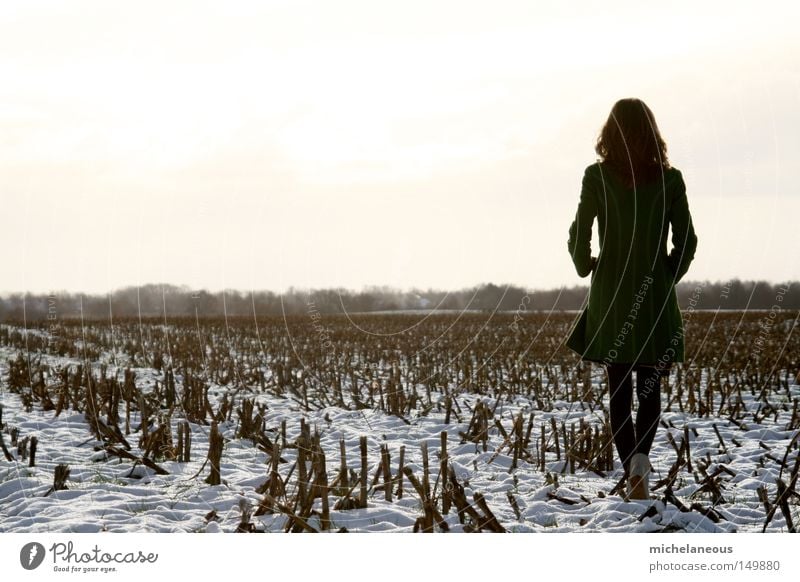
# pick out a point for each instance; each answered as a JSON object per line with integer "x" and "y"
{"x": 620, "y": 387}
{"x": 648, "y": 393}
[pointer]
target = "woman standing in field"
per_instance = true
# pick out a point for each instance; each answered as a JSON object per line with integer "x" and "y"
{"x": 632, "y": 321}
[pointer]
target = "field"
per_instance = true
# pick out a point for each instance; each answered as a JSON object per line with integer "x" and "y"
{"x": 465, "y": 422}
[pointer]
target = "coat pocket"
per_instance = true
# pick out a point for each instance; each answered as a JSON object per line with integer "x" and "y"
{"x": 667, "y": 265}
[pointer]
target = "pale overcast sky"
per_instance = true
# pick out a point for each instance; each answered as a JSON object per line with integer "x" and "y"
{"x": 434, "y": 144}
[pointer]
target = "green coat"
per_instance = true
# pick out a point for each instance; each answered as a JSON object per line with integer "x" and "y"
{"x": 632, "y": 314}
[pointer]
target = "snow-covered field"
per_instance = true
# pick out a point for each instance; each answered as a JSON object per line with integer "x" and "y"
{"x": 104, "y": 494}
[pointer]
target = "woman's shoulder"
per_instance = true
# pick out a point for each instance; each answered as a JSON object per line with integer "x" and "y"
{"x": 593, "y": 170}
{"x": 601, "y": 168}
{"x": 674, "y": 176}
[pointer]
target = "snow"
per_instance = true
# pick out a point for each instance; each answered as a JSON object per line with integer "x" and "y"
{"x": 106, "y": 495}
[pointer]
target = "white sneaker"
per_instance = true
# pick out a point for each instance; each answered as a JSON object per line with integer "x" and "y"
{"x": 639, "y": 479}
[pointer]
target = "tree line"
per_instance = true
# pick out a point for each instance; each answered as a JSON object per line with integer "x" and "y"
{"x": 153, "y": 300}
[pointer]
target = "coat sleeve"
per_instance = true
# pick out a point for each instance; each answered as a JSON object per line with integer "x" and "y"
{"x": 684, "y": 240}
{"x": 580, "y": 232}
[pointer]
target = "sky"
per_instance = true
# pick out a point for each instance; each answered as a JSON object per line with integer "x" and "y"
{"x": 422, "y": 144}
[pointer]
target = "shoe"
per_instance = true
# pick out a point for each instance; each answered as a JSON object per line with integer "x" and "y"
{"x": 639, "y": 478}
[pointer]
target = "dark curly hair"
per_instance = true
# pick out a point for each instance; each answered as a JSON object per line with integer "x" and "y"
{"x": 630, "y": 144}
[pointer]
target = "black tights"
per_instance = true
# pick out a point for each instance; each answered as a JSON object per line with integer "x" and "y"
{"x": 648, "y": 392}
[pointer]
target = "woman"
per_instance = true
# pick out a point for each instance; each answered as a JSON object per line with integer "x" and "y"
{"x": 632, "y": 321}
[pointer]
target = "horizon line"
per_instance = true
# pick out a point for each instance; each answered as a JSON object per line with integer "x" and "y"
{"x": 364, "y": 288}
